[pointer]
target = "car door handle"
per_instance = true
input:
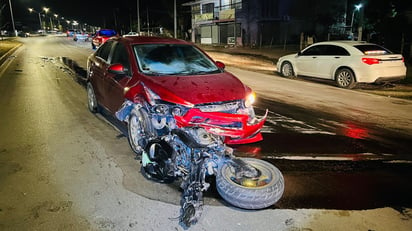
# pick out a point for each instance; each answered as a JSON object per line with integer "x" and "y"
{"x": 314, "y": 57}
{"x": 337, "y": 57}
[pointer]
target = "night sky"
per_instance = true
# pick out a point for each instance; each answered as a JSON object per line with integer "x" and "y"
{"x": 98, "y": 12}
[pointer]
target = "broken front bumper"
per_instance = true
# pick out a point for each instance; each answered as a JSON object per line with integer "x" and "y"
{"x": 236, "y": 128}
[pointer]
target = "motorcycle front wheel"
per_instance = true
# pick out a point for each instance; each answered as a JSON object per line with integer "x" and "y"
{"x": 257, "y": 193}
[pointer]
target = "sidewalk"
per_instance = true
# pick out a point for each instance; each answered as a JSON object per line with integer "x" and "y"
{"x": 271, "y": 54}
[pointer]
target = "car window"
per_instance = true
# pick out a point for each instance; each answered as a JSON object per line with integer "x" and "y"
{"x": 373, "y": 49}
{"x": 314, "y": 50}
{"x": 120, "y": 56}
{"x": 336, "y": 50}
{"x": 173, "y": 59}
{"x": 104, "y": 51}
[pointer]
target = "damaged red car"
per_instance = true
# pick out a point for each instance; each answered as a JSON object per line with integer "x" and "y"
{"x": 154, "y": 83}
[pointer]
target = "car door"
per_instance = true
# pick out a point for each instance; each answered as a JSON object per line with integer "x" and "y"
{"x": 98, "y": 68}
{"x": 330, "y": 56}
{"x": 115, "y": 83}
{"x": 306, "y": 61}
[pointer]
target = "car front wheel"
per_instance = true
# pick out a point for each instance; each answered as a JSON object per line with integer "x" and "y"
{"x": 91, "y": 99}
{"x": 345, "y": 78}
{"x": 139, "y": 130}
{"x": 286, "y": 69}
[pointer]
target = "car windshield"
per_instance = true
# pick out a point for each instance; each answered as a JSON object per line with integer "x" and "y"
{"x": 371, "y": 49}
{"x": 173, "y": 59}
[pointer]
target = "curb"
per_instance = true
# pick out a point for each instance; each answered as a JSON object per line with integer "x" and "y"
{"x": 8, "y": 53}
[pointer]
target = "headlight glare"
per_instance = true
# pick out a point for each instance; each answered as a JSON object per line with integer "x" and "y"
{"x": 250, "y": 99}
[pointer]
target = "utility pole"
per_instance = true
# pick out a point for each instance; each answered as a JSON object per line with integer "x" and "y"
{"x": 12, "y": 19}
{"x": 175, "y": 19}
{"x": 138, "y": 17}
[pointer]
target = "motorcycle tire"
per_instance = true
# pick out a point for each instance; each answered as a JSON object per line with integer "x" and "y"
{"x": 247, "y": 196}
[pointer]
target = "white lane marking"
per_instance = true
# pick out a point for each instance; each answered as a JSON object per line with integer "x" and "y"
{"x": 334, "y": 157}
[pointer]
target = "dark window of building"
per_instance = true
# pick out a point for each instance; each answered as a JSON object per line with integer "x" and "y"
{"x": 208, "y": 8}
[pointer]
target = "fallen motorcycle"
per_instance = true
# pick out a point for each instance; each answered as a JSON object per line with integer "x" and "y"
{"x": 176, "y": 142}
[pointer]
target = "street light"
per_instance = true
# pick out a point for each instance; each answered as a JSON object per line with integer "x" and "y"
{"x": 46, "y": 9}
{"x": 58, "y": 21}
{"x": 31, "y": 11}
{"x": 357, "y": 8}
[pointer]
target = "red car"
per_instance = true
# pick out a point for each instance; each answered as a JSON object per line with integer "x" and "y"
{"x": 155, "y": 84}
{"x": 102, "y": 36}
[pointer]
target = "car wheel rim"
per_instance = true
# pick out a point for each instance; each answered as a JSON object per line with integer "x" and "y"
{"x": 135, "y": 129}
{"x": 91, "y": 98}
{"x": 287, "y": 69}
{"x": 344, "y": 78}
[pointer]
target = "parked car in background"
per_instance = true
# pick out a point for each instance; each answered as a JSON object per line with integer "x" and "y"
{"x": 131, "y": 33}
{"x": 81, "y": 36}
{"x": 23, "y": 34}
{"x": 345, "y": 62}
{"x": 102, "y": 36}
{"x": 70, "y": 33}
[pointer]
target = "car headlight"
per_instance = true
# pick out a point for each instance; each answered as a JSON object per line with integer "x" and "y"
{"x": 250, "y": 99}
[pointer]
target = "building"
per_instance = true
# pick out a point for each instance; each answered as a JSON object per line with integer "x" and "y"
{"x": 263, "y": 22}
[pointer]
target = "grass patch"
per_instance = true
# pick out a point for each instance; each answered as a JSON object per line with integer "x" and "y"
{"x": 7, "y": 44}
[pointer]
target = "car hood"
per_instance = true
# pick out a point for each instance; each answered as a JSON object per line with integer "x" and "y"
{"x": 199, "y": 89}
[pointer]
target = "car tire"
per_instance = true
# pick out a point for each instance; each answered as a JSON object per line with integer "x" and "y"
{"x": 139, "y": 130}
{"x": 286, "y": 69}
{"x": 345, "y": 78}
{"x": 91, "y": 99}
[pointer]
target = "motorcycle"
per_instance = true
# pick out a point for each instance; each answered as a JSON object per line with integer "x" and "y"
{"x": 177, "y": 143}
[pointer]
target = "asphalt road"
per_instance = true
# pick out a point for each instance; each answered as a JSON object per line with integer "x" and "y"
{"x": 63, "y": 168}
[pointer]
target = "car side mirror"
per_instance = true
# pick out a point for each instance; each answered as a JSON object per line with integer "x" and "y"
{"x": 299, "y": 53}
{"x": 220, "y": 65}
{"x": 117, "y": 69}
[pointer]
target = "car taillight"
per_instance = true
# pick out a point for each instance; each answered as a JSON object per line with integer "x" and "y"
{"x": 370, "y": 61}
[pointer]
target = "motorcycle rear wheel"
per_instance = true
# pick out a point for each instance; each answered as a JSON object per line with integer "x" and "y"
{"x": 247, "y": 195}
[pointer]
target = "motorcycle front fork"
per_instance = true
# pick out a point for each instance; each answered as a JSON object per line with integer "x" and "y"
{"x": 192, "y": 198}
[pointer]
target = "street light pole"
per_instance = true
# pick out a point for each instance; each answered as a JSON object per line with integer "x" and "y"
{"x": 12, "y": 19}
{"x": 31, "y": 10}
{"x": 357, "y": 7}
{"x": 41, "y": 24}
{"x": 175, "y": 19}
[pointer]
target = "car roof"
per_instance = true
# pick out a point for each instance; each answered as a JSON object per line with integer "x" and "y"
{"x": 150, "y": 39}
{"x": 344, "y": 42}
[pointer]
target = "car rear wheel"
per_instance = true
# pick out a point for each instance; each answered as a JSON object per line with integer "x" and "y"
{"x": 345, "y": 78}
{"x": 287, "y": 69}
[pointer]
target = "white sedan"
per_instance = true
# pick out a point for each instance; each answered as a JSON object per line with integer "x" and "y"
{"x": 346, "y": 62}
